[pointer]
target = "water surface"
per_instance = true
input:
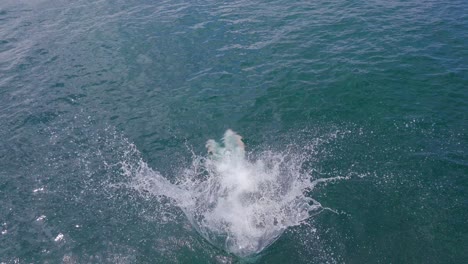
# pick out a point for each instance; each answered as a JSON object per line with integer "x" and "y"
{"x": 374, "y": 91}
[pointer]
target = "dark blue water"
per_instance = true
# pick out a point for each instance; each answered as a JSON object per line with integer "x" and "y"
{"x": 375, "y": 92}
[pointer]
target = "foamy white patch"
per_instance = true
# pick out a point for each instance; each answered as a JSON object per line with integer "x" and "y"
{"x": 41, "y": 218}
{"x": 240, "y": 203}
{"x": 59, "y": 237}
{"x": 38, "y": 190}
{"x": 4, "y": 229}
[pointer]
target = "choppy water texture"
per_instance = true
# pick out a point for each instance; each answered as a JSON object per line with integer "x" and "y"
{"x": 354, "y": 116}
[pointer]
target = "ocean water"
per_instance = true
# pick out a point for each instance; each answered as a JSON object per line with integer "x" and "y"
{"x": 349, "y": 140}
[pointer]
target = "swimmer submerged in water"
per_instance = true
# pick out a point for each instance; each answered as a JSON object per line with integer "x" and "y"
{"x": 233, "y": 146}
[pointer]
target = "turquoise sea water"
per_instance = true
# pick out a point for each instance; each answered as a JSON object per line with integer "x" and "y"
{"x": 105, "y": 107}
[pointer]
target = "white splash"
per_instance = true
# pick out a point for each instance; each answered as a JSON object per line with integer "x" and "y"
{"x": 38, "y": 190}
{"x": 240, "y": 203}
{"x": 41, "y": 218}
{"x": 4, "y": 229}
{"x": 59, "y": 237}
